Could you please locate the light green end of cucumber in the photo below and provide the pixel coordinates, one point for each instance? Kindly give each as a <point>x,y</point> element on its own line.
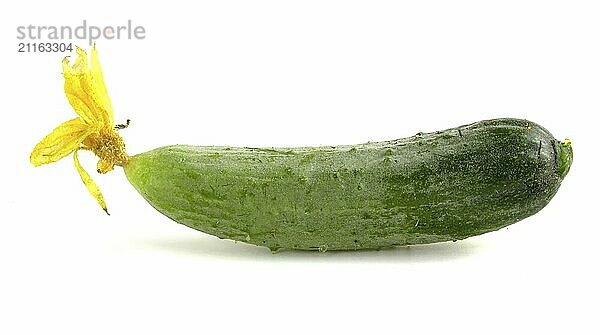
<point>564,157</point>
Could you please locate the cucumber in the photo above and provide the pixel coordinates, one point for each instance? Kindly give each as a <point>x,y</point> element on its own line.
<point>435,187</point>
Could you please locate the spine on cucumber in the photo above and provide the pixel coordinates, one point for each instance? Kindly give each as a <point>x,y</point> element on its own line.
<point>447,185</point>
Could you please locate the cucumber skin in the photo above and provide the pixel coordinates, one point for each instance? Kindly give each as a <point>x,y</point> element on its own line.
<point>447,185</point>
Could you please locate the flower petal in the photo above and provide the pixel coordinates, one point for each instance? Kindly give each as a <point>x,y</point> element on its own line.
<point>89,183</point>
<point>85,91</point>
<point>74,91</point>
<point>98,81</point>
<point>63,140</point>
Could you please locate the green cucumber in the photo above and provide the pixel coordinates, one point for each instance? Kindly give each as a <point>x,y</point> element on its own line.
<point>442,186</point>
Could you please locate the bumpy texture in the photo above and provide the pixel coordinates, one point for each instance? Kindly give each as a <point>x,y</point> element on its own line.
<point>428,188</point>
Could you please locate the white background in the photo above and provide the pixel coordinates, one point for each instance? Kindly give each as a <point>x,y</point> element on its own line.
<point>296,73</point>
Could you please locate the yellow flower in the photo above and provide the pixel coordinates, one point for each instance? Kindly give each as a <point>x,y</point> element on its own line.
<point>92,130</point>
